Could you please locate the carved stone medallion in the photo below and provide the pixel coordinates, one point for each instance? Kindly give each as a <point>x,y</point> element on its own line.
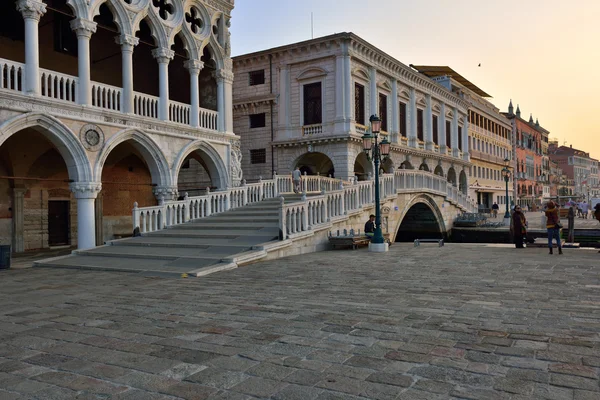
<point>91,137</point>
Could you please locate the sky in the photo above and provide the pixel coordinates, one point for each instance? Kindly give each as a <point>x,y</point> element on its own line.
<point>542,54</point>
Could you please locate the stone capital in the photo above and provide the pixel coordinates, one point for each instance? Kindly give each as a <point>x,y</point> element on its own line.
<point>83,27</point>
<point>162,55</point>
<point>127,42</point>
<point>165,193</point>
<point>224,75</point>
<point>31,9</point>
<point>194,66</point>
<point>85,190</point>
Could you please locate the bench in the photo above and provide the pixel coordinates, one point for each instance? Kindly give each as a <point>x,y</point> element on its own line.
<point>347,241</point>
<point>440,242</point>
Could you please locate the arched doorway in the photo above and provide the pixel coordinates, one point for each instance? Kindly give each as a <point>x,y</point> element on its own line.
<point>363,168</point>
<point>452,176</point>
<point>463,185</point>
<point>419,222</point>
<point>198,167</point>
<point>406,165</point>
<point>439,170</point>
<point>315,164</point>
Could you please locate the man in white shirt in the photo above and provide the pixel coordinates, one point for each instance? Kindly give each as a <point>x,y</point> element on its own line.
<point>296,178</point>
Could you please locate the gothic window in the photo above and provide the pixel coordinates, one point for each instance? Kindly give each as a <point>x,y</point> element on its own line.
<point>258,156</point>
<point>258,120</point>
<point>383,112</point>
<point>420,124</point>
<point>313,104</point>
<point>434,127</point>
<point>193,18</point>
<point>256,77</point>
<point>359,103</point>
<point>402,119</point>
<point>164,8</point>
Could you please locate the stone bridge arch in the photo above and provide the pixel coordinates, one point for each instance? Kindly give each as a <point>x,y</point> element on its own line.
<point>421,218</point>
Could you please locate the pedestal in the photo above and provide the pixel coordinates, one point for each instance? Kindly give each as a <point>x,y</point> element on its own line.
<point>378,247</point>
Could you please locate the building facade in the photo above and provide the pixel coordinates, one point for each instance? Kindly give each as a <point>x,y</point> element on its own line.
<point>531,172</point>
<point>308,104</point>
<point>578,166</point>
<point>104,103</point>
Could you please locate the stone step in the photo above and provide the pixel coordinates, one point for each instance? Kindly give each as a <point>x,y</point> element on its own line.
<point>199,224</point>
<point>162,252</point>
<point>266,212</point>
<point>189,242</point>
<point>239,218</point>
<point>225,234</point>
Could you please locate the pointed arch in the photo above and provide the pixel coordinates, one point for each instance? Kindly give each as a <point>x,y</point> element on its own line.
<point>119,12</point>
<point>215,52</point>
<point>65,141</point>
<point>156,28</point>
<point>190,44</point>
<point>150,151</point>
<point>216,167</point>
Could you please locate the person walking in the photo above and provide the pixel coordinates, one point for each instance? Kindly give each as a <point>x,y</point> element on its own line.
<point>296,179</point>
<point>495,208</point>
<point>585,209</point>
<point>519,227</point>
<point>553,226</point>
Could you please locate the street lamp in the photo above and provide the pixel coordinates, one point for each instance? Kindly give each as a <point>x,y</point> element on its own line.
<point>379,152</point>
<point>506,175</point>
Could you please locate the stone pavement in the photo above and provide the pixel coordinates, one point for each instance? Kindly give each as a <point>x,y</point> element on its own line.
<point>460,321</point>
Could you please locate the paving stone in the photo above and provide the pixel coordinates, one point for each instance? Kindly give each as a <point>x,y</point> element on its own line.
<point>296,392</point>
<point>574,382</point>
<point>259,387</point>
<point>427,385</point>
<point>514,385</point>
<point>390,379</point>
<point>465,392</point>
<point>218,378</point>
<point>304,377</point>
<point>271,371</point>
<point>571,369</point>
<point>548,392</point>
<point>585,395</point>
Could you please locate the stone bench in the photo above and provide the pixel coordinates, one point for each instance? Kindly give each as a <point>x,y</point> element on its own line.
<point>440,242</point>
<point>349,241</point>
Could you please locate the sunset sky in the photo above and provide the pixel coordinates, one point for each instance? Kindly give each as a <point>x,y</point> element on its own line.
<point>542,54</point>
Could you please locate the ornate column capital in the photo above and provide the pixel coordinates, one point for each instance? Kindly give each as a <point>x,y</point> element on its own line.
<point>194,66</point>
<point>165,193</point>
<point>85,190</point>
<point>162,55</point>
<point>127,42</point>
<point>31,9</point>
<point>83,27</point>
<point>224,75</point>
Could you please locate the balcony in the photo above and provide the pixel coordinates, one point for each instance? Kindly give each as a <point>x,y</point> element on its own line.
<point>478,155</point>
<point>62,88</point>
<point>311,130</point>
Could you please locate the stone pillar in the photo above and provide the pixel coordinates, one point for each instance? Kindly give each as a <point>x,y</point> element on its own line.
<point>163,57</point>
<point>374,95</point>
<point>348,90</point>
<point>194,67</point>
<point>455,132</point>
<point>18,213</point>
<point>340,89</point>
<point>465,140</point>
<point>395,133</point>
<point>84,29</point>
<point>85,193</point>
<point>412,121</point>
<point>225,100</point>
<point>127,43</point>
<point>284,96</point>
<point>32,12</point>
<point>442,129</point>
<point>165,193</point>
<point>429,145</point>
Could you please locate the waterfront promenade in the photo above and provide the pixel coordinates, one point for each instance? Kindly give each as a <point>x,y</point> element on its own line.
<point>460,321</point>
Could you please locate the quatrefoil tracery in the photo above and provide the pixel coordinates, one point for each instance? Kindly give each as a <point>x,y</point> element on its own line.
<point>164,8</point>
<point>193,18</point>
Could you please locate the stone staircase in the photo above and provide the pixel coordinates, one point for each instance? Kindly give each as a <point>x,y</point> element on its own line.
<point>198,247</point>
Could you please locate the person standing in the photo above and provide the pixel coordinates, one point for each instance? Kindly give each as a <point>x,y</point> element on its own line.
<point>296,179</point>
<point>571,226</point>
<point>495,209</point>
<point>584,209</point>
<point>519,227</point>
<point>553,226</point>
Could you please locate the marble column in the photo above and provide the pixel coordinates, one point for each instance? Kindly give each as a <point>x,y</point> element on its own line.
<point>429,145</point>
<point>412,122</point>
<point>84,29</point>
<point>86,193</point>
<point>18,213</point>
<point>374,94</point>
<point>32,12</point>
<point>395,132</point>
<point>163,57</point>
<point>194,67</point>
<point>454,138</point>
<point>340,89</point>
<point>225,100</point>
<point>127,43</point>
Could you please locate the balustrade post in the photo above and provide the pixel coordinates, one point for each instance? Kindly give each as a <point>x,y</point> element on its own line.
<point>136,216</point>
<point>282,220</point>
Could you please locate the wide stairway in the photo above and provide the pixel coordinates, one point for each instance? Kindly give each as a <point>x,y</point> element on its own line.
<point>196,248</point>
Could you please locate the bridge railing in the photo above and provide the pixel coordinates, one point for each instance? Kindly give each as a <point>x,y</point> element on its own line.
<point>338,199</point>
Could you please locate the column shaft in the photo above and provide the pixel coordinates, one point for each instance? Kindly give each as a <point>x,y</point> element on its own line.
<point>374,95</point>
<point>163,57</point>
<point>340,95</point>
<point>32,11</point>
<point>194,67</point>
<point>127,43</point>
<point>18,219</point>
<point>429,145</point>
<point>84,30</point>
<point>85,193</point>
<point>412,126</point>
<point>455,132</point>
<point>395,113</point>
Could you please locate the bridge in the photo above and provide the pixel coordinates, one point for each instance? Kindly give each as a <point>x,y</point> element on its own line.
<point>266,220</point>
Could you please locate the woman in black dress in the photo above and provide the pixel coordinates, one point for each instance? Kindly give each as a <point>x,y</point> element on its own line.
<point>519,227</point>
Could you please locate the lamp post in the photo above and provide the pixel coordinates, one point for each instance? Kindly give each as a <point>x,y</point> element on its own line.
<point>379,152</point>
<point>506,175</point>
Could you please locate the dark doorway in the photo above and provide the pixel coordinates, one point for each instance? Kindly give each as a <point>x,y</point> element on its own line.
<point>58,222</point>
<point>419,223</point>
